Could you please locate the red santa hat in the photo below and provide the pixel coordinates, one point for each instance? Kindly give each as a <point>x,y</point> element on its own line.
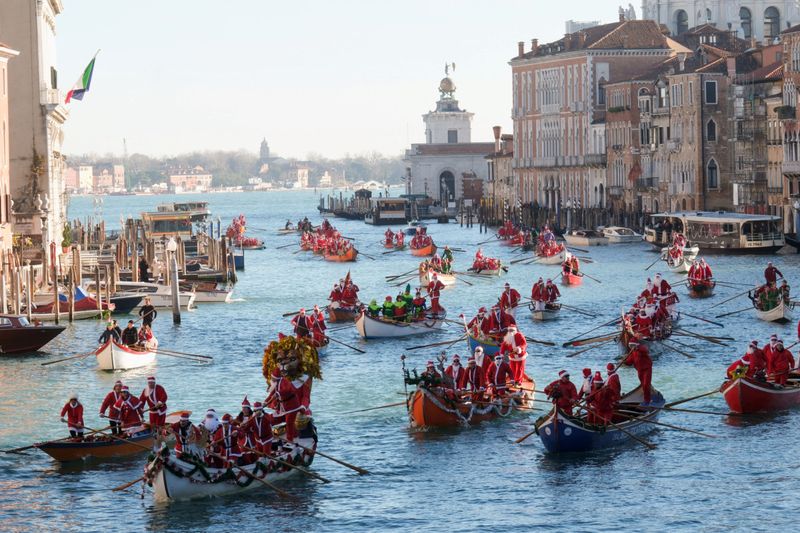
<point>754,343</point>
<point>257,406</point>
<point>562,373</point>
<point>245,402</point>
<point>388,299</point>
<point>226,418</point>
<point>598,378</point>
<point>611,368</point>
<point>151,378</point>
<point>118,382</point>
<point>185,415</point>
<point>456,358</point>
<point>471,361</point>
<point>479,349</point>
<point>430,365</point>
<point>482,310</point>
<point>507,284</point>
<point>302,310</point>
<point>745,360</point>
<point>125,388</point>
<point>587,372</point>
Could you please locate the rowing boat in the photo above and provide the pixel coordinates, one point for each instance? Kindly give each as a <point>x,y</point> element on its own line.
<point>371,328</point>
<point>680,267</point>
<point>561,432</point>
<point>555,259</point>
<point>690,253</point>
<point>176,479</point>
<point>349,255</point>
<point>781,313</point>
<point>701,288</point>
<point>550,312</point>
<point>747,395</point>
<point>115,356</point>
<point>425,251</point>
<point>446,279</point>
<point>490,347</point>
<point>339,313</point>
<point>488,272</point>
<point>568,278</point>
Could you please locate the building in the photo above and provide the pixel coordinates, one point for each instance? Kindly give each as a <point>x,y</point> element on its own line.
<point>109,178</point>
<point>85,178</point>
<point>502,183</point>
<point>296,176</point>
<point>36,117</point>
<point>6,230</point>
<point>759,19</point>
<point>71,180</point>
<point>194,179</point>
<point>439,167</point>
<point>790,125</point>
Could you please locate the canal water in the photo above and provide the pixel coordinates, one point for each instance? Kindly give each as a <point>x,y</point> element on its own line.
<point>466,479</point>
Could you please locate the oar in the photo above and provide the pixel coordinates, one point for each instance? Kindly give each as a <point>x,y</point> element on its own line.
<point>70,358</point>
<point>465,281</point>
<point>579,311</point>
<point>515,261</point>
<point>710,338</point>
<point>115,437</point>
<point>283,493</point>
<point>544,343</point>
<point>359,350</point>
<point>664,424</point>
<point>170,354</point>
<point>403,282</point>
<point>286,463</point>
<point>496,238</point>
<point>703,319</point>
<point>734,312</point>
<point>365,255</point>
<point>590,340</point>
<point>653,263</point>
<point>334,459</point>
<point>729,299</point>
<point>374,408</point>
<point>286,245</point>
<point>573,354</point>
<point>579,249</point>
<point>298,251</point>
<point>17,450</point>
<point>291,313</point>
<point>410,348</point>
<point>670,347</point>
<point>709,393</point>
<point>126,485</point>
<point>392,251</point>
<point>184,353</point>
<point>595,328</point>
<point>590,277</point>
<point>404,274</point>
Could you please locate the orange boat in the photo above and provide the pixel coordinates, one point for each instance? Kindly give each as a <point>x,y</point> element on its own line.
<point>425,251</point>
<point>568,278</point>
<point>349,255</point>
<point>430,407</point>
<point>343,314</point>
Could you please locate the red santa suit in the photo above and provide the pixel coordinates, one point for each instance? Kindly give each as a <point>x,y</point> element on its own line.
<point>109,402</point>
<point>601,405</point>
<point>640,359</point>
<point>74,413</point>
<point>613,383</point>
<point>457,373</point>
<point>318,327</point>
<point>302,325</point>
<point>478,326</point>
<point>226,443</point>
<point>516,347</point>
<point>484,362</point>
<point>538,291</point>
<point>552,292</point>
<point>184,436</point>
<point>474,378</point>
<point>509,299</point>
<point>779,365</point>
<point>260,428</point>
<point>336,294</point>
<point>389,236</point>
<point>499,374</point>
<point>288,398</point>
<point>129,411</point>
<point>154,395</point>
<point>564,393</point>
<point>644,326</point>
<point>434,288</point>
<point>350,294</point>
<point>661,287</point>
<point>499,320</point>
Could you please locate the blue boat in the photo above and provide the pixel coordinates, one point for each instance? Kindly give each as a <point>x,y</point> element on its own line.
<point>561,433</point>
<point>489,348</point>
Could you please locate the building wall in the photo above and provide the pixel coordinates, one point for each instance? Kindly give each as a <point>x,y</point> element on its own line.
<point>86,178</point>
<point>426,171</point>
<point>438,124</point>
<point>6,232</point>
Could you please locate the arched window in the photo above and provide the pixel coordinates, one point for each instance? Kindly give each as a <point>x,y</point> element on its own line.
<point>772,22</point>
<point>681,21</point>
<point>711,130</point>
<point>712,175</point>
<point>747,22</point>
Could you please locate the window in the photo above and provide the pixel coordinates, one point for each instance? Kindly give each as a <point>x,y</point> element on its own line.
<point>601,92</point>
<point>53,78</point>
<point>452,136</point>
<point>711,131</point>
<point>691,92</point>
<point>747,22</point>
<point>772,22</point>
<point>712,176</point>
<point>681,21</point>
<point>711,92</point>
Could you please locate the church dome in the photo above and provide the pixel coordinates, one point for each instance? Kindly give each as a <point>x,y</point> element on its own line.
<point>447,85</point>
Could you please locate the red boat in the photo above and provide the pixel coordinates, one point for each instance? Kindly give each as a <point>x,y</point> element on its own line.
<point>17,335</point>
<point>701,288</point>
<point>349,255</point>
<point>567,278</point>
<point>746,395</point>
<point>425,251</point>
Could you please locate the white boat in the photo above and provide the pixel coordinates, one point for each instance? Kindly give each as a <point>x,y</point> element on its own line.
<point>689,253</point>
<point>550,312</point>
<point>781,313</point>
<point>681,267</point>
<point>77,315</point>
<point>719,231</point>
<point>115,356</point>
<point>487,272</point>
<point>620,235</point>
<point>555,259</point>
<point>174,479</point>
<point>446,279</point>
<point>374,328</point>
<point>210,294</point>
<point>160,295</point>
<point>585,238</point>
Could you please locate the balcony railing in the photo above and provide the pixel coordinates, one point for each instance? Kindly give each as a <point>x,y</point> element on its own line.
<point>615,190</point>
<point>644,184</point>
<point>595,160</point>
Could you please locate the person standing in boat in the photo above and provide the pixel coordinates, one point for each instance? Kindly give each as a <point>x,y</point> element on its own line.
<point>456,373</point>
<point>108,334</point>
<point>499,375</point>
<point>474,377</point>
<point>510,298</point>
<point>187,436</point>
<point>639,358</point>
<point>434,289</point>
<point>538,295</point>
<point>600,404</point>
<point>563,392</point>
<point>130,409</point>
<point>147,312</point>
<point>780,364</point>
<point>613,383</point>
<point>109,403</point>
<point>318,326</point>
<point>260,428</point>
<point>130,335</point>
<point>302,325</point>
<point>785,292</point>
<point>225,443</point>
<point>155,397</point>
<point>515,346</point>
<point>552,292</point>
<point>771,274</point>
<point>586,386</point>
<point>73,410</point>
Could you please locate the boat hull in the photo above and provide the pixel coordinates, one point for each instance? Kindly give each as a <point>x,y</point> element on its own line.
<point>371,328</point>
<point>425,251</point>
<point>680,268</point>
<point>113,356</point>
<point>555,259</point>
<point>489,348</point>
<point>125,304</point>
<point>579,240</point>
<point>28,338</point>
<point>745,395</point>
<point>548,313</point>
<point>342,314</point>
<point>701,289</point>
<point>66,451</point>
<point>782,313</point>
<point>571,279</point>
<point>446,279</point>
<point>348,256</point>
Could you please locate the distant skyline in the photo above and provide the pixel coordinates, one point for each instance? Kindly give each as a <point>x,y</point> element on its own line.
<point>309,76</point>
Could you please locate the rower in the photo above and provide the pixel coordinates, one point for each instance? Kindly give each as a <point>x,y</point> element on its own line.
<point>108,334</point>
<point>244,415</point>
<point>388,308</point>
<point>474,376</point>
<point>785,292</point>
<point>147,339</point>
<point>562,392</point>
<point>73,410</point>
<point>109,403</point>
<point>510,298</point>
<point>499,375</point>
<point>538,295</point>
<point>147,312</point>
<point>552,292</point>
<point>430,377</point>
<point>389,236</point>
<point>318,326</point>
<point>400,308</point>
<point>419,304</point>
<point>187,436</point>
<point>516,347</point>
<point>612,382</point>
<point>456,372</point>
<point>373,309</point>
<point>586,386</point>
<point>226,444</point>
<point>130,410</point>
<point>600,405</point>
<point>210,422</point>
<point>771,273</point>
<point>758,361</point>
<point>644,325</point>
<point>130,335</point>
<point>336,294</point>
<point>302,325</point>
<point>155,396</point>
<point>639,358</point>
<point>260,428</point>
<point>434,288</point>
<point>482,361</point>
<point>780,365</point>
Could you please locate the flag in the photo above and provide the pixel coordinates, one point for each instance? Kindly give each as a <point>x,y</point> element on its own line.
<point>83,83</point>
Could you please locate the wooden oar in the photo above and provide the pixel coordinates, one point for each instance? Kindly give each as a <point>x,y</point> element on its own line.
<point>623,430</point>
<point>590,340</point>
<point>515,261</point>
<point>411,348</point>
<point>359,350</point>
<point>590,277</point>
<point>734,312</point>
<point>590,348</point>
<point>406,280</point>
<point>465,281</point>
<point>392,251</point>
<point>710,338</point>
<point>334,459</point>
<point>729,299</point>
<point>703,319</point>
<point>283,493</point>
<point>544,343</point>
<point>664,424</point>
<point>695,411</point>
<point>579,311</point>
<point>286,463</point>
<point>653,263</point>
<point>595,328</point>
<point>79,356</point>
<point>670,347</point>
<point>286,245</point>
<point>184,353</point>
<point>709,393</point>
<point>496,238</point>
<point>169,354</point>
<point>365,255</point>
<point>404,274</point>
<point>525,437</point>
<point>292,313</point>
<point>17,450</point>
<point>579,249</point>
<point>374,408</point>
<point>130,483</point>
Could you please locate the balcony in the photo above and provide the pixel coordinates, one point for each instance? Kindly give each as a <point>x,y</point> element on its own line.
<point>615,190</point>
<point>660,110</point>
<point>647,184</point>
<point>595,160</point>
<point>51,97</point>
<point>785,112</point>
<point>791,168</point>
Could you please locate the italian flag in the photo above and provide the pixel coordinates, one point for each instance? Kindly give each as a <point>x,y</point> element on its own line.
<point>83,83</point>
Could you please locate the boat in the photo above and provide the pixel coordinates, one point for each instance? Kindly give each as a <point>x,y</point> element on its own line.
<point>430,408</point>
<point>411,229</point>
<point>681,267</point>
<point>563,433</point>
<point>259,245</point>
<point>487,271</point>
<point>81,302</point>
<point>781,313</point>
<point>690,253</point>
<point>701,288</point>
<point>371,328</point>
<point>115,356</point>
<point>425,251</point>
<point>555,259</point>
<point>208,292</point>
<point>446,279</point>
<point>349,255</point>
<point>17,335</point>
<point>339,313</point>
<point>321,348</point>
<point>490,347</point>
<point>179,479</point>
<point>550,312</point>
<point>748,395</point>
<point>125,303</point>
<point>621,235</point>
<point>586,238</point>
<point>568,278</point>
<point>77,315</point>
<point>160,295</point>
<point>720,231</point>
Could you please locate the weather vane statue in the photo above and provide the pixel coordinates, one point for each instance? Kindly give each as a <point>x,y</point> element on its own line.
<point>447,67</point>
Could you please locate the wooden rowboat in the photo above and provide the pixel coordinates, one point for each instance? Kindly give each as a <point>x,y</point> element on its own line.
<point>562,433</point>
<point>747,395</point>
<point>446,279</point>
<point>349,255</point>
<point>781,313</point>
<point>372,328</point>
<point>430,407</point>
<point>490,348</point>
<point>488,272</point>
<point>567,278</point>
<point>115,356</point>
<point>425,251</point>
<point>689,252</point>
<point>338,313</point>
<point>321,348</point>
<point>701,288</point>
<point>550,312</point>
<point>555,259</point>
<point>679,268</point>
<point>178,479</point>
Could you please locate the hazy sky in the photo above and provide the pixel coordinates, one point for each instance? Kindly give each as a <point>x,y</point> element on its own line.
<point>333,77</point>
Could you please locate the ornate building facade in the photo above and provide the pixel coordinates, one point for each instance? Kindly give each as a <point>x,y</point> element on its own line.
<point>6,53</point>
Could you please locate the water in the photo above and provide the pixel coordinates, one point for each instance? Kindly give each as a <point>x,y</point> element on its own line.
<point>462,479</point>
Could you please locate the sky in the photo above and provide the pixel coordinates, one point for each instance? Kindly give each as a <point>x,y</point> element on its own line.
<point>311,76</point>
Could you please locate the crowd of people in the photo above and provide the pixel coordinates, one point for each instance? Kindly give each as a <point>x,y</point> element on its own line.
<point>394,240</point>
<point>651,315</point>
<point>771,363</point>
<point>440,264</point>
<point>406,307</point>
<point>481,262</point>
<point>421,239</point>
<point>546,244</point>
<point>310,326</point>
<point>142,338</point>
<point>344,294</point>
<point>769,295</point>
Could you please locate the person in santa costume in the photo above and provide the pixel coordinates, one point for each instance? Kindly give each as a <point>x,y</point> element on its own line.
<point>499,375</point>
<point>456,373</point>
<point>538,295</point>
<point>187,437</point>
<point>780,364</point>
<point>613,383</point>
<point>260,428</point>
<point>155,398</point>
<point>661,287</point>
<point>499,321</point>
<point>225,444</point>
<point>600,404</point>
<point>388,236</point>
<point>336,294</point>
<point>434,288</point>
<point>245,414</point>
<point>318,326</point>
<point>515,346</point>
<point>509,299</point>
<point>291,366</point>
<point>130,410</point>
<point>474,377</point>
<point>562,392</point>
<point>551,292</point>
<point>73,410</point>
<point>639,358</point>
<point>586,386</point>
<point>109,402</point>
<point>302,324</point>
<point>482,361</point>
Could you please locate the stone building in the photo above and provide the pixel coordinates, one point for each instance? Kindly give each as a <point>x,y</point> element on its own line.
<point>194,179</point>
<point>790,124</point>
<point>502,184</point>
<point>37,116</point>
<point>6,230</point>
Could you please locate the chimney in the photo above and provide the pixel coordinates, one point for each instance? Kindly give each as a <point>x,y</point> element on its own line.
<point>567,41</point>
<point>520,48</point>
<point>731,67</point>
<point>581,39</point>
<point>681,62</point>
<point>496,130</point>
<point>534,46</point>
